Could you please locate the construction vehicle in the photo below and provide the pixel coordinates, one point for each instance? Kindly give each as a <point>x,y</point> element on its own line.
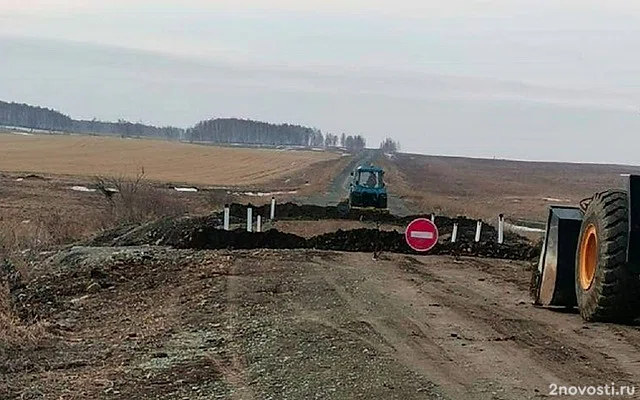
<point>591,256</point>
<point>367,189</point>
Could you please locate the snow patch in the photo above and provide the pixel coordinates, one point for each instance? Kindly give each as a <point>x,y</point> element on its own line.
<point>523,228</point>
<point>263,194</point>
<point>82,189</point>
<point>553,199</point>
<point>20,130</point>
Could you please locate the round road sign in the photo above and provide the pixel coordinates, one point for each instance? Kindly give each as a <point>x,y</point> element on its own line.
<point>421,234</point>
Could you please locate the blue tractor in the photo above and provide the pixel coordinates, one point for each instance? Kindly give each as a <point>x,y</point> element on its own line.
<point>367,189</point>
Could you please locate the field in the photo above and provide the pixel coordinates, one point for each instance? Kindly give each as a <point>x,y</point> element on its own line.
<point>485,188</point>
<point>48,184</point>
<point>162,161</point>
<point>137,294</point>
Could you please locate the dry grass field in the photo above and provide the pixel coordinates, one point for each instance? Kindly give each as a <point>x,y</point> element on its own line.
<point>483,188</point>
<point>162,161</point>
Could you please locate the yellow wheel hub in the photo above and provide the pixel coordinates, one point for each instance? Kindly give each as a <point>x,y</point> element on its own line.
<point>588,257</point>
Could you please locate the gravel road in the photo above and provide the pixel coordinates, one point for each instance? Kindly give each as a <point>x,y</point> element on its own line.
<point>156,323</point>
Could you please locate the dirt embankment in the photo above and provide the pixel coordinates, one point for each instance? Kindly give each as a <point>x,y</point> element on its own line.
<point>305,212</point>
<point>207,233</point>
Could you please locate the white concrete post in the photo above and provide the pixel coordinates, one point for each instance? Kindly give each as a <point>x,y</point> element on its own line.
<point>478,231</point>
<point>454,234</point>
<point>226,217</point>
<point>259,223</point>
<point>272,215</point>
<point>249,219</point>
<point>501,228</point>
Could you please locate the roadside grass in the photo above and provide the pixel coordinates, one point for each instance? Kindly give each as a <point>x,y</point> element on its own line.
<point>14,333</point>
<point>134,201</point>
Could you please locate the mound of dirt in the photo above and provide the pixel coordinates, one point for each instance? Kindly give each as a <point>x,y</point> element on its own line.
<point>306,212</point>
<point>213,239</point>
<point>205,233</point>
<point>64,279</point>
<point>166,231</point>
<point>195,233</point>
<point>372,240</point>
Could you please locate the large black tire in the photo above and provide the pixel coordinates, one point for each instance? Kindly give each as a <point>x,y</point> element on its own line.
<point>343,208</point>
<point>607,289</point>
<point>382,202</point>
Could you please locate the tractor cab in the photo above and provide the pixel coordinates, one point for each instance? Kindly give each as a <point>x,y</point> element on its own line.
<point>368,189</point>
<point>372,178</point>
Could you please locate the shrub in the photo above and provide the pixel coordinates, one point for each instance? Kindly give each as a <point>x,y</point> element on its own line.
<point>134,201</point>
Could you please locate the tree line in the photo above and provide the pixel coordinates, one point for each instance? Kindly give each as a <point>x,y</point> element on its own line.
<point>32,117</point>
<point>217,130</point>
<point>234,130</point>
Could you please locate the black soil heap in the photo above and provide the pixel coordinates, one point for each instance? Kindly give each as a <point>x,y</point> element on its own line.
<point>206,233</point>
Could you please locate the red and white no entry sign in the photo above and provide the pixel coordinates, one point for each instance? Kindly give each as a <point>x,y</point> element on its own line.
<point>421,234</point>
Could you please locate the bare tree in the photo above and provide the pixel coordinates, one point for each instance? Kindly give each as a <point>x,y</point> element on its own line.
<point>390,146</point>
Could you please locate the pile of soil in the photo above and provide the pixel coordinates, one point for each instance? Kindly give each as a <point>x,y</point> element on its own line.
<point>205,233</point>
<point>373,240</point>
<point>306,212</point>
<point>165,231</point>
<point>77,272</point>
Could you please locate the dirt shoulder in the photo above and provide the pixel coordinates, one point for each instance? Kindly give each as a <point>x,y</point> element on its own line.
<point>300,324</point>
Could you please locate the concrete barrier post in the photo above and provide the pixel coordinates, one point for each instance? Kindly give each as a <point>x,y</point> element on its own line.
<point>272,214</point>
<point>249,219</point>
<point>501,228</point>
<point>226,217</point>
<point>454,234</point>
<point>478,231</point>
<point>259,223</point>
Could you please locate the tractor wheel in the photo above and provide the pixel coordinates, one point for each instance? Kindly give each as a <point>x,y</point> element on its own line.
<point>343,208</point>
<point>607,289</point>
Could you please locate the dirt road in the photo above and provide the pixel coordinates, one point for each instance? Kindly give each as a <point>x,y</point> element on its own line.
<point>338,189</point>
<point>266,324</point>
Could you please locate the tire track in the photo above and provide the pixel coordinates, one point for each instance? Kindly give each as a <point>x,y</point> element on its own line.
<point>561,343</point>
<point>471,333</point>
<point>235,371</point>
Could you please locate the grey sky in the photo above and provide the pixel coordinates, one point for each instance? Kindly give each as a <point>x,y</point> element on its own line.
<point>542,80</point>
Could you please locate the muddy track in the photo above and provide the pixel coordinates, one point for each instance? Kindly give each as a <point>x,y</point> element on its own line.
<point>338,189</point>
<point>476,334</point>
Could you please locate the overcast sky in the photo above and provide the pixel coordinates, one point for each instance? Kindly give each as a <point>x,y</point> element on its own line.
<point>537,79</point>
